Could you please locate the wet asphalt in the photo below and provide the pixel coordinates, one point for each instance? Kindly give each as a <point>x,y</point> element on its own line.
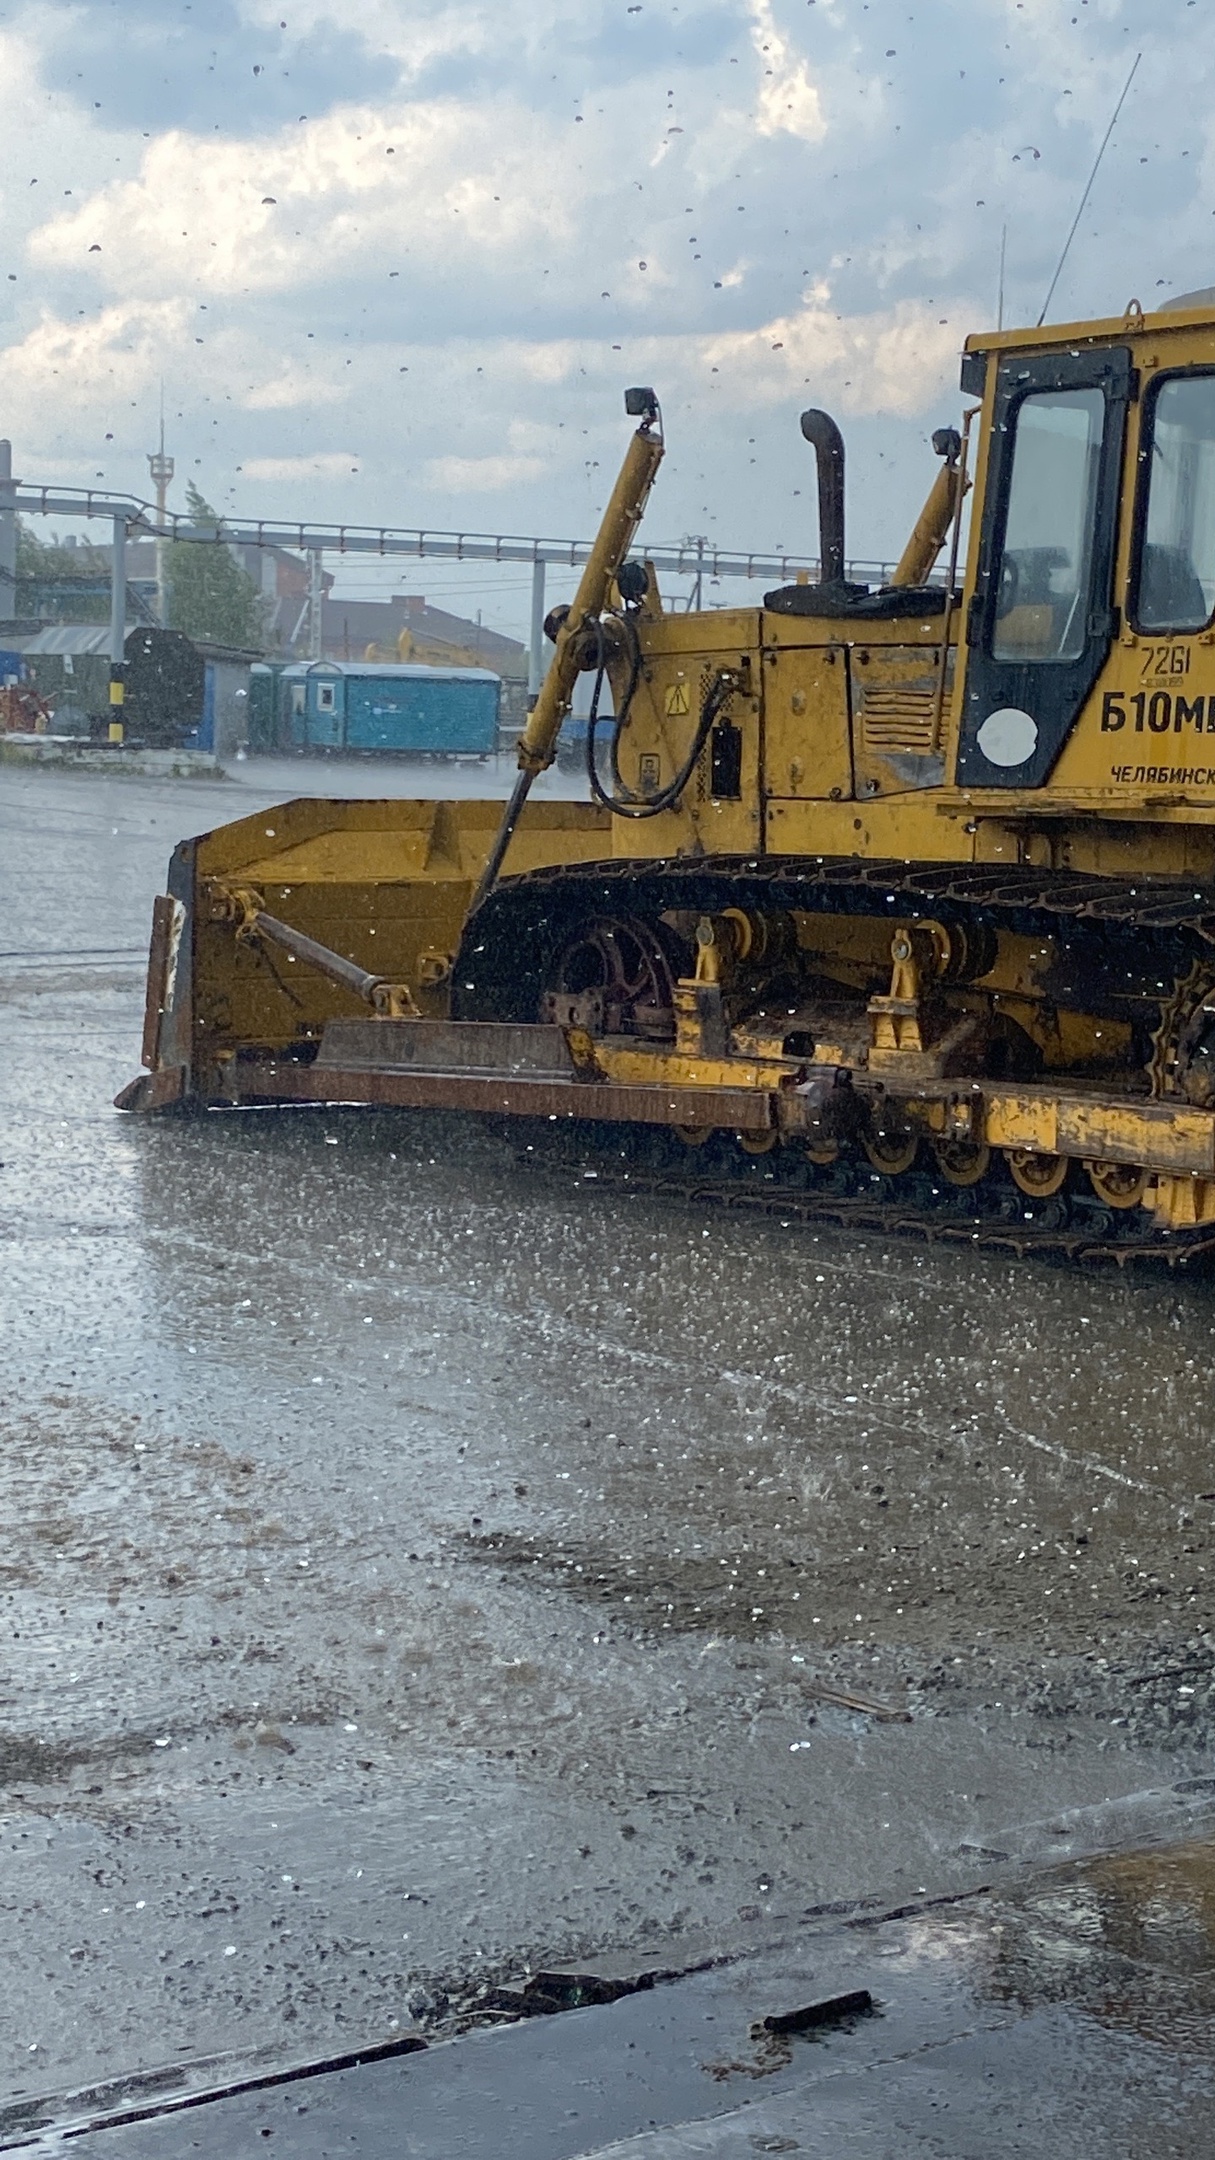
<point>1071,2013</point>
<point>420,1565</point>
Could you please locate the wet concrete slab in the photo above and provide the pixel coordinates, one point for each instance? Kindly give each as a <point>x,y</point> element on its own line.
<point>422,1566</point>
<point>1071,2012</point>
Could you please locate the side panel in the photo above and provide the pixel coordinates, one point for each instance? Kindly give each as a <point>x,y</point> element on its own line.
<point>1149,726</point>
<point>808,752</point>
<point>902,828</point>
<point>719,810</point>
<point>456,718</point>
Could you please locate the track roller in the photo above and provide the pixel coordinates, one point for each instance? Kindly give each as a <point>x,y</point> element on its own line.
<point>822,1153</point>
<point>962,1162</point>
<point>1038,1176</point>
<point>1119,1185</point>
<point>892,1150</point>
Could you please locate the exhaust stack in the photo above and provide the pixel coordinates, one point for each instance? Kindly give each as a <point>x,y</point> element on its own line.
<point>824,437</point>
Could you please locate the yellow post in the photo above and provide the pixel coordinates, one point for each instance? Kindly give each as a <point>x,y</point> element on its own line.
<point>117,698</point>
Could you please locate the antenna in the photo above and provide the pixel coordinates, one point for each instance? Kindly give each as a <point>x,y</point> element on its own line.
<point>1088,187</point>
<point>1000,294</point>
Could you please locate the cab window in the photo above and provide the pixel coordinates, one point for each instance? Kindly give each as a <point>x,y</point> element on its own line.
<point>1045,564</point>
<point>1176,582</point>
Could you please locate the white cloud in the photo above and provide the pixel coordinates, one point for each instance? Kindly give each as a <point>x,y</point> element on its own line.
<point>412,34</point>
<point>480,475</point>
<point>426,183</point>
<point>287,388</point>
<point>92,361</point>
<point>320,465</point>
<point>893,361</point>
<point>789,101</point>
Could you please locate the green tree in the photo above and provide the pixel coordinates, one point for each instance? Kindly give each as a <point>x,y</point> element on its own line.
<point>210,596</point>
<point>50,577</point>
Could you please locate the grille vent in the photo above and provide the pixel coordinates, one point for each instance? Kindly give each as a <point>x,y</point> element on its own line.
<point>899,720</point>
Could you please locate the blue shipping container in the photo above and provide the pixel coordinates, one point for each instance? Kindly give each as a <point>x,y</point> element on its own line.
<point>407,711</point>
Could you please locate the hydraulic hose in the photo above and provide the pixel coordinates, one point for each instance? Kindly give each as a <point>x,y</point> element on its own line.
<point>625,802</point>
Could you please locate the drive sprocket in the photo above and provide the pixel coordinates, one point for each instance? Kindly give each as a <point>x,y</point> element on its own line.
<point>1182,1063</point>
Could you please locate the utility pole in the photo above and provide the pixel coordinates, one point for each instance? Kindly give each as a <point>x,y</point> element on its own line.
<point>161,469</point>
<point>316,601</point>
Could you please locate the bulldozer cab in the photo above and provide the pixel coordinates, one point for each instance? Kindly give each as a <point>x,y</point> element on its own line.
<point>1090,588</point>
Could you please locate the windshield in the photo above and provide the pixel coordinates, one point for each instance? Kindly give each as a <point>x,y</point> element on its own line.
<point>1177,567</point>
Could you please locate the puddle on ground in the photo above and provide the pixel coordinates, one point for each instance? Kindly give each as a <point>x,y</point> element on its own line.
<point>1128,1939</point>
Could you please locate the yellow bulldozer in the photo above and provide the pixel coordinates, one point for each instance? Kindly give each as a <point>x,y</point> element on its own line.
<point>412,650</point>
<point>894,905</point>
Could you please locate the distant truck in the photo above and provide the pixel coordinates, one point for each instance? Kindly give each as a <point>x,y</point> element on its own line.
<point>372,707</point>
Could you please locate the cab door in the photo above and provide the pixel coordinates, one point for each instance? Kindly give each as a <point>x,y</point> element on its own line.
<point>1042,618</point>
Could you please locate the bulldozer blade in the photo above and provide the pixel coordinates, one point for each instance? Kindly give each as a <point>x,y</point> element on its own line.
<point>380,888</point>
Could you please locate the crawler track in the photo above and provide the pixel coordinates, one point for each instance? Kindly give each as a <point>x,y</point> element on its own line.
<point>851,1195</point>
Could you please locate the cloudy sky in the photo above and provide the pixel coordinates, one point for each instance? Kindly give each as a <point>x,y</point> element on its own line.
<point>401,271</point>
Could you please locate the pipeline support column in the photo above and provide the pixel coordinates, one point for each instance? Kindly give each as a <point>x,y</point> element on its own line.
<point>535,651</point>
<point>118,627</point>
<point>316,602</point>
<point>8,534</point>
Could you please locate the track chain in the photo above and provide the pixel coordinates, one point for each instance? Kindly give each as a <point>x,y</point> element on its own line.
<point>1073,1229</point>
<point>836,883</point>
